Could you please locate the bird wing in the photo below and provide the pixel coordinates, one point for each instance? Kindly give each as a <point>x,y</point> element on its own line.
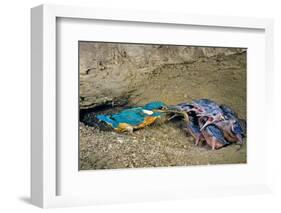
<point>217,133</point>
<point>194,128</point>
<point>228,111</point>
<point>207,105</point>
<point>133,116</point>
<point>107,119</point>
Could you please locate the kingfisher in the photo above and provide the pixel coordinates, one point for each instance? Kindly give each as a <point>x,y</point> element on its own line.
<point>210,109</point>
<point>131,119</point>
<point>228,111</point>
<point>239,125</point>
<point>217,124</point>
<point>230,125</point>
<point>232,130</point>
<point>200,108</point>
<point>212,134</point>
<point>193,129</point>
<point>214,137</point>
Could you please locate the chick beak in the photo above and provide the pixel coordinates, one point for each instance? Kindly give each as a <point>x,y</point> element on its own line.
<point>240,140</point>
<point>208,122</point>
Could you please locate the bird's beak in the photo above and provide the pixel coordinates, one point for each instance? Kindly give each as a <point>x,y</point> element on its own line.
<point>240,140</point>
<point>206,124</point>
<point>160,110</point>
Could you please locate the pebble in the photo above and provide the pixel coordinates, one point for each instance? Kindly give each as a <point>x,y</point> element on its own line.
<point>120,140</point>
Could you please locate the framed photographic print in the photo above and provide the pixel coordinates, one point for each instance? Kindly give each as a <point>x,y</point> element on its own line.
<point>130,106</point>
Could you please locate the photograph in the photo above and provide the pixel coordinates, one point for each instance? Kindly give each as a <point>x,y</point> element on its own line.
<point>147,105</point>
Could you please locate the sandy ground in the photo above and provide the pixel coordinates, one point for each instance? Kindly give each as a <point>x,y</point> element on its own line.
<point>221,78</point>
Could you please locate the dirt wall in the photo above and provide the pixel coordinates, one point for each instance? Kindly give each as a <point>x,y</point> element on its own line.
<point>111,73</point>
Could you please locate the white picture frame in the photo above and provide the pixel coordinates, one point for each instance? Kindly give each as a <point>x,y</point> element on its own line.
<point>44,149</point>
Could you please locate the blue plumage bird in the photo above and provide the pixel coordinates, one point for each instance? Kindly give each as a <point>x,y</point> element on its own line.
<point>214,137</point>
<point>133,118</point>
<point>217,124</point>
<point>231,130</point>
<point>238,125</point>
<point>206,104</point>
<point>212,134</point>
<point>193,128</point>
<point>203,109</point>
<point>210,109</point>
<point>228,111</point>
